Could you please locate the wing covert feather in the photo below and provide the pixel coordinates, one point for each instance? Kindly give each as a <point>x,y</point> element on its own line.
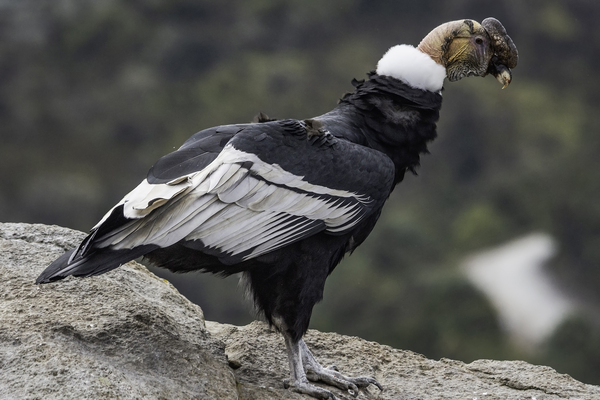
<point>255,196</point>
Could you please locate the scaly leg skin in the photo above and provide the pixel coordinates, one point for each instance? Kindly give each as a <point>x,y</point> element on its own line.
<point>298,354</point>
<point>331,376</point>
<point>298,381</point>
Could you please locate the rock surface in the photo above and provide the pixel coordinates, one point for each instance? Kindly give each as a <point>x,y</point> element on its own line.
<point>130,335</point>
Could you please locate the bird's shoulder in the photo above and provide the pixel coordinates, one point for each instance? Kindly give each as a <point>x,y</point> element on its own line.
<point>302,147</point>
<point>194,155</point>
<point>203,147</point>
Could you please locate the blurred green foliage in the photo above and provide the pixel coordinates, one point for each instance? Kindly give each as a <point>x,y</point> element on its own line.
<point>92,93</point>
<point>576,340</point>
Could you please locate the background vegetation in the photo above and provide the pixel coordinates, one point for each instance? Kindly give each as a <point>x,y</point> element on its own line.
<point>93,92</point>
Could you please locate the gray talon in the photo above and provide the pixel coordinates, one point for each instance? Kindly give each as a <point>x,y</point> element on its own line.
<point>311,390</point>
<point>305,369</point>
<point>353,390</point>
<point>363,382</point>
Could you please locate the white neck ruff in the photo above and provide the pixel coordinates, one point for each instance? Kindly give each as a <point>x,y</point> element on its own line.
<point>413,67</point>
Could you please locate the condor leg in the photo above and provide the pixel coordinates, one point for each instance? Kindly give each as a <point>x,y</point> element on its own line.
<point>331,376</point>
<point>298,381</point>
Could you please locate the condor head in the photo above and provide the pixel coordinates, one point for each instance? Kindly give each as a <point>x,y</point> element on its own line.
<point>468,48</point>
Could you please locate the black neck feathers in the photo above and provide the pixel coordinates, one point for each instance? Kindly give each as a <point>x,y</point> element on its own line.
<point>388,115</point>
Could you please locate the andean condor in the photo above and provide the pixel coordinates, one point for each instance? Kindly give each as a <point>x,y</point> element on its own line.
<point>282,201</point>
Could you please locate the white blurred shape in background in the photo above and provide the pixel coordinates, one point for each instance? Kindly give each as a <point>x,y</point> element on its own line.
<point>513,277</point>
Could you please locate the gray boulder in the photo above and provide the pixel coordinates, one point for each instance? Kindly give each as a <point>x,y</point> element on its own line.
<point>130,335</point>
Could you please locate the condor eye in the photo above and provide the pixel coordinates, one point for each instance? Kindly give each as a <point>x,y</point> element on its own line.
<point>479,40</point>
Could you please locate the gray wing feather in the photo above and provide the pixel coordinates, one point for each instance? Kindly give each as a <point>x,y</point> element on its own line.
<point>236,204</point>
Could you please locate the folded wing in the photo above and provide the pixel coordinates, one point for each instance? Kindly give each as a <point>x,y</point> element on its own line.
<point>269,186</point>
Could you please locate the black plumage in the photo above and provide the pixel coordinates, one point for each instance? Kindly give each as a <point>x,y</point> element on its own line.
<point>362,148</point>
<point>281,201</point>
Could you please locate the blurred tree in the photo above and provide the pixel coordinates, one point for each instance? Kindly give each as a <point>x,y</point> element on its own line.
<point>575,349</point>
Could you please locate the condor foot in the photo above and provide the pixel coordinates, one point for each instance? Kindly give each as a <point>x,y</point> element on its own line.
<point>305,368</point>
<point>311,390</point>
<point>331,376</point>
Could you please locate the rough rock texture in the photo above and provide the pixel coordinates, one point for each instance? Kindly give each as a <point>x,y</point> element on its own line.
<point>122,335</point>
<point>130,335</point>
<point>405,375</point>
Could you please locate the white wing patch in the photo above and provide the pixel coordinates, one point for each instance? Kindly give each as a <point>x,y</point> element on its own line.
<point>237,204</point>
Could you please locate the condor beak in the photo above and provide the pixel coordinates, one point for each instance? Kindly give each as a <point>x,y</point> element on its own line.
<point>504,77</point>
<point>505,56</point>
<point>501,72</point>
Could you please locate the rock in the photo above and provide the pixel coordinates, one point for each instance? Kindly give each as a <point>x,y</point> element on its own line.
<point>403,374</point>
<point>126,335</point>
<point>130,335</point>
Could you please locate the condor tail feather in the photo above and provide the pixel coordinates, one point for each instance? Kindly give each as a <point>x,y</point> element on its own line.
<point>95,263</point>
